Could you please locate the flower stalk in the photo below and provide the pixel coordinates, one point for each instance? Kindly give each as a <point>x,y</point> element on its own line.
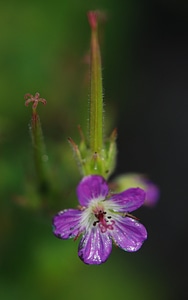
<point>103,217</point>
<point>96,94</point>
<point>98,155</point>
<point>40,157</point>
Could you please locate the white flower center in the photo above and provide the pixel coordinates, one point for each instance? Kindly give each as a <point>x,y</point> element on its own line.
<point>98,214</point>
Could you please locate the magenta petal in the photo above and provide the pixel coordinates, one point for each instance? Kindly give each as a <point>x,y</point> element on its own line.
<point>91,187</point>
<point>94,247</point>
<point>130,199</point>
<point>152,194</point>
<point>129,234</point>
<point>66,224</point>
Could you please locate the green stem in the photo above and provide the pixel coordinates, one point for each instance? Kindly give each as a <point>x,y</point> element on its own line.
<point>96,96</point>
<point>40,156</point>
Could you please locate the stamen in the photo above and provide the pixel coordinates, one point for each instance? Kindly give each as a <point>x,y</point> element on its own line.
<point>104,224</point>
<point>95,223</point>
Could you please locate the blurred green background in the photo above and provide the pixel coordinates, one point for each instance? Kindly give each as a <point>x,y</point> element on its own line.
<point>43,48</point>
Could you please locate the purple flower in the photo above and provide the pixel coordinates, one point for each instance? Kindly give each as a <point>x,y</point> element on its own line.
<point>152,192</point>
<point>102,218</point>
<point>125,181</point>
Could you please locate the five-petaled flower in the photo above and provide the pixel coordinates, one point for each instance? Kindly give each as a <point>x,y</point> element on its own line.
<point>102,217</point>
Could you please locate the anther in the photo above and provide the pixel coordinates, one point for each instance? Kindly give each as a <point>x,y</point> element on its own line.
<point>95,223</point>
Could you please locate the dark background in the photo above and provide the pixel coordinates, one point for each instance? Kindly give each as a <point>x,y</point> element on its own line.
<point>155,128</point>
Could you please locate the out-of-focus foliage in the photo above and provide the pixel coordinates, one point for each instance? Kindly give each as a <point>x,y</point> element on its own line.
<point>43,48</point>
